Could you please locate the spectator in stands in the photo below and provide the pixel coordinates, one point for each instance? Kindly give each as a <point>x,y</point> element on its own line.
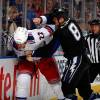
<point>77,8</point>
<point>30,14</point>
<point>13,19</point>
<point>49,6</point>
<point>88,14</point>
<point>38,9</point>
<point>12,2</point>
<point>19,5</point>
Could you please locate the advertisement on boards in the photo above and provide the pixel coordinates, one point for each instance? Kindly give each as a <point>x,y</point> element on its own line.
<point>38,86</point>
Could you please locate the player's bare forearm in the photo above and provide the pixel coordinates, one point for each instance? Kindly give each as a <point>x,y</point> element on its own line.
<point>37,21</point>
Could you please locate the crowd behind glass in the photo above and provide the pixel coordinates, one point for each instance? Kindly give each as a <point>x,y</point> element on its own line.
<point>21,13</point>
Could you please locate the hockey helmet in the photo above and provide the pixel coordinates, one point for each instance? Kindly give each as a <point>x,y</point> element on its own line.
<point>20,35</point>
<point>60,12</point>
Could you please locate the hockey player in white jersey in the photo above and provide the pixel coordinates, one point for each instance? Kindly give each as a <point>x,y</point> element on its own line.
<point>24,45</point>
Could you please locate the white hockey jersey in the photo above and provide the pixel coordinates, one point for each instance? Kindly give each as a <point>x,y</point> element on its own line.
<point>36,38</point>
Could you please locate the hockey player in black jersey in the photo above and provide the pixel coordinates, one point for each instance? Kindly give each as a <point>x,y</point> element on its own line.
<point>73,44</point>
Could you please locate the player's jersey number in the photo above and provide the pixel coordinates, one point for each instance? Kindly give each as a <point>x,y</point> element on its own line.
<point>41,35</point>
<point>74,30</point>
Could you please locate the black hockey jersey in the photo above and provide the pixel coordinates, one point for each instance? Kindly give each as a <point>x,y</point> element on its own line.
<point>70,35</point>
<point>71,38</point>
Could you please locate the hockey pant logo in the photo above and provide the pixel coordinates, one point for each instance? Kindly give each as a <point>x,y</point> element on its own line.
<point>71,69</point>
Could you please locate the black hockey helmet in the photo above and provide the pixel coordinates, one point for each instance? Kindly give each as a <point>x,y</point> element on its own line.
<point>60,12</point>
<point>94,22</point>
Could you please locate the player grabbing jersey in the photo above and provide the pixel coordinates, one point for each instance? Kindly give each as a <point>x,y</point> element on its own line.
<point>73,44</point>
